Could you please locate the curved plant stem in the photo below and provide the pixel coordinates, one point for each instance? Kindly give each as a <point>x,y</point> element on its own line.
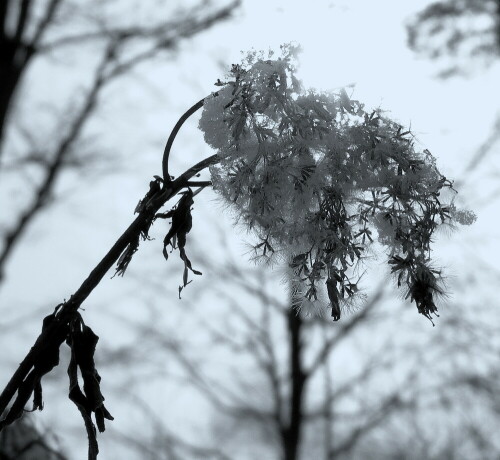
<point>70,307</point>
<point>171,138</point>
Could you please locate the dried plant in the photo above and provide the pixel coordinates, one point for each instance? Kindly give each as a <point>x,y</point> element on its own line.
<point>314,174</point>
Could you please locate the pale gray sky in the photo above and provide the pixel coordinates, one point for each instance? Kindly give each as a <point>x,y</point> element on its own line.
<point>344,42</point>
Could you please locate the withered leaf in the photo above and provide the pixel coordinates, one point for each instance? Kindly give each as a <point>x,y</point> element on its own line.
<point>83,341</point>
<point>46,361</point>
<point>182,223</point>
<point>333,295</point>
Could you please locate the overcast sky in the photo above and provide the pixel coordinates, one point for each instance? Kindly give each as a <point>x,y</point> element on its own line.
<point>358,43</point>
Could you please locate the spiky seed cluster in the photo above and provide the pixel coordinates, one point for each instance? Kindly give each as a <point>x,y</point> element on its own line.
<point>315,175</point>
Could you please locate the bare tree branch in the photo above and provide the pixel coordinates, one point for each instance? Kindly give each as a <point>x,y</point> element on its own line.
<point>55,164</point>
<point>449,27</point>
<point>164,33</point>
<point>481,153</point>
<point>386,408</point>
<point>47,19</point>
<point>24,11</point>
<point>166,443</point>
<point>109,68</point>
<point>344,332</point>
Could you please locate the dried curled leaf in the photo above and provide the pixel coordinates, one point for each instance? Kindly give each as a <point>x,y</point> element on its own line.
<point>333,295</point>
<point>154,188</point>
<point>182,222</point>
<point>46,361</point>
<point>133,246</point>
<point>82,341</point>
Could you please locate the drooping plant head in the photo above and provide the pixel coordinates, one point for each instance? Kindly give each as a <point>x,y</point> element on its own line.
<point>319,179</point>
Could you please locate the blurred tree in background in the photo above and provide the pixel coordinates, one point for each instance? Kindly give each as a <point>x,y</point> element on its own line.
<point>37,148</point>
<point>414,395</point>
<point>462,35</point>
<point>458,32</point>
<point>281,384</point>
<point>25,442</point>
<point>45,138</point>
<point>277,383</point>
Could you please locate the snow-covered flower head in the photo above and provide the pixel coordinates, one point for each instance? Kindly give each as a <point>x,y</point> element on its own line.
<point>316,177</point>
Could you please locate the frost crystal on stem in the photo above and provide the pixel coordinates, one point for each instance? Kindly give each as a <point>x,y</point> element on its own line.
<point>319,179</point>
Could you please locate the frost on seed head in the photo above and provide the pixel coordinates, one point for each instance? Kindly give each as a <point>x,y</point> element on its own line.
<point>319,179</point>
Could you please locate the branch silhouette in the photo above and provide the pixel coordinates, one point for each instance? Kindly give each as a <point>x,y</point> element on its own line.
<point>58,327</point>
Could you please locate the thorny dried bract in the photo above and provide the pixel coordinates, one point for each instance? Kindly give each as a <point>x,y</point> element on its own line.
<point>319,178</point>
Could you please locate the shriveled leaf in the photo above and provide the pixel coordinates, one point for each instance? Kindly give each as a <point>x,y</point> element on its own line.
<point>333,295</point>
<point>83,341</point>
